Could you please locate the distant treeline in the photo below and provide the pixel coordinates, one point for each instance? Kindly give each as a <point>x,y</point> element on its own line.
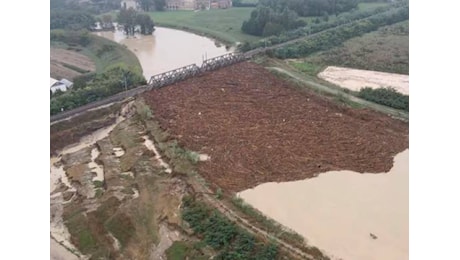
<point>94,7</point>
<point>71,20</point>
<point>338,35</point>
<point>314,28</point>
<point>272,17</point>
<point>311,7</point>
<point>240,3</point>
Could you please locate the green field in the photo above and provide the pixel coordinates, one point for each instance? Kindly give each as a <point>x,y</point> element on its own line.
<point>222,24</point>
<point>386,49</point>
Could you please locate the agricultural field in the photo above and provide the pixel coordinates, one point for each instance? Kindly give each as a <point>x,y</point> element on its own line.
<point>222,24</point>
<point>69,64</point>
<point>87,52</point>
<point>258,128</point>
<point>385,50</point>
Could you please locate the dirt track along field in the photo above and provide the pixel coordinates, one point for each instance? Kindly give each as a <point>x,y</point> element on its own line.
<point>258,128</point>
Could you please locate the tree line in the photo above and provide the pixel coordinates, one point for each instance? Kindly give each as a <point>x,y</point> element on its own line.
<point>265,21</point>
<point>272,17</point>
<point>311,7</point>
<point>92,87</point>
<point>317,27</point>
<point>385,96</point>
<point>93,7</point>
<point>336,36</point>
<point>130,19</point>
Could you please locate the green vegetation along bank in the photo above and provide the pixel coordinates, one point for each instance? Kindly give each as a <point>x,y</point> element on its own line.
<point>386,50</point>
<point>117,69</point>
<point>336,36</point>
<point>230,241</point>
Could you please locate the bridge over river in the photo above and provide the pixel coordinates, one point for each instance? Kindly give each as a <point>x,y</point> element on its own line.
<point>160,80</point>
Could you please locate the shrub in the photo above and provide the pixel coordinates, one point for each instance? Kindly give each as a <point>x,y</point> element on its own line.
<point>385,96</point>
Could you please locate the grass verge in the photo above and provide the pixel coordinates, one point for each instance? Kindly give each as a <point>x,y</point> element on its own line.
<point>221,24</point>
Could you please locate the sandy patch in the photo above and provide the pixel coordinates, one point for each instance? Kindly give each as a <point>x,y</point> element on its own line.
<point>350,216</point>
<point>95,167</point>
<point>167,237</point>
<point>59,252</point>
<point>118,151</point>
<point>355,79</point>
<point>149,144</point>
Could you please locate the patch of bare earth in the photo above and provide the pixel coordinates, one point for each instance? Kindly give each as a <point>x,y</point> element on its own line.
<point>60,59</point>
<point>258,128</point>
<point>355,79</point>
<point>120,216</point>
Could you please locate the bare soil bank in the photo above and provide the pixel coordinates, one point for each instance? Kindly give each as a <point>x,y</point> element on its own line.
<point>258,128</point>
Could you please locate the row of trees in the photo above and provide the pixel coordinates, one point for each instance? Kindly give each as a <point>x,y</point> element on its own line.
<point>93,87</point>
<point>272,17</point>
<point>71,20</point>
<point>129,18</point>
<point>78,20</point>
<point>315,28</point>
<point>264,21</point>
<point>148,5</point>
<point>94,7</point>
<point>228,239</point>
<point>385,96</point>
<point>311,7</point>
<point>336,36</point>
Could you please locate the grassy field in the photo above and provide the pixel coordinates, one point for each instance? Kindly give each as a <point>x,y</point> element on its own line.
<point>386,49</point>
<point>101,51</point>
<point>222,24</point>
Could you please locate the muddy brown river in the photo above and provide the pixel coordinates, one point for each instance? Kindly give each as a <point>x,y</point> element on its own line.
<point>348,215</point>
<point>167,49</point>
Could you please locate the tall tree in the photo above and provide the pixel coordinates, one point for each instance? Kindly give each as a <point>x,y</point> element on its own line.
<point>127,18</point>
<point>146,23</point>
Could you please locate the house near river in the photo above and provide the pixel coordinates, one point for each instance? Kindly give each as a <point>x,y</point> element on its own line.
<point>62,85</point>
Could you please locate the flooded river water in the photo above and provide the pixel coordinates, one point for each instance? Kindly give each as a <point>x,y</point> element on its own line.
<point>167,49</point>
<point>350,216</point>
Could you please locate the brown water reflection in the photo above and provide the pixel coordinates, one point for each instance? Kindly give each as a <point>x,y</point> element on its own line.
<point>339,210</point>
<point>167,49</point>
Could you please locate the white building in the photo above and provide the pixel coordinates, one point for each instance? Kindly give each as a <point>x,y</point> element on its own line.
<point>126,4</point>
<point>62,85</point>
